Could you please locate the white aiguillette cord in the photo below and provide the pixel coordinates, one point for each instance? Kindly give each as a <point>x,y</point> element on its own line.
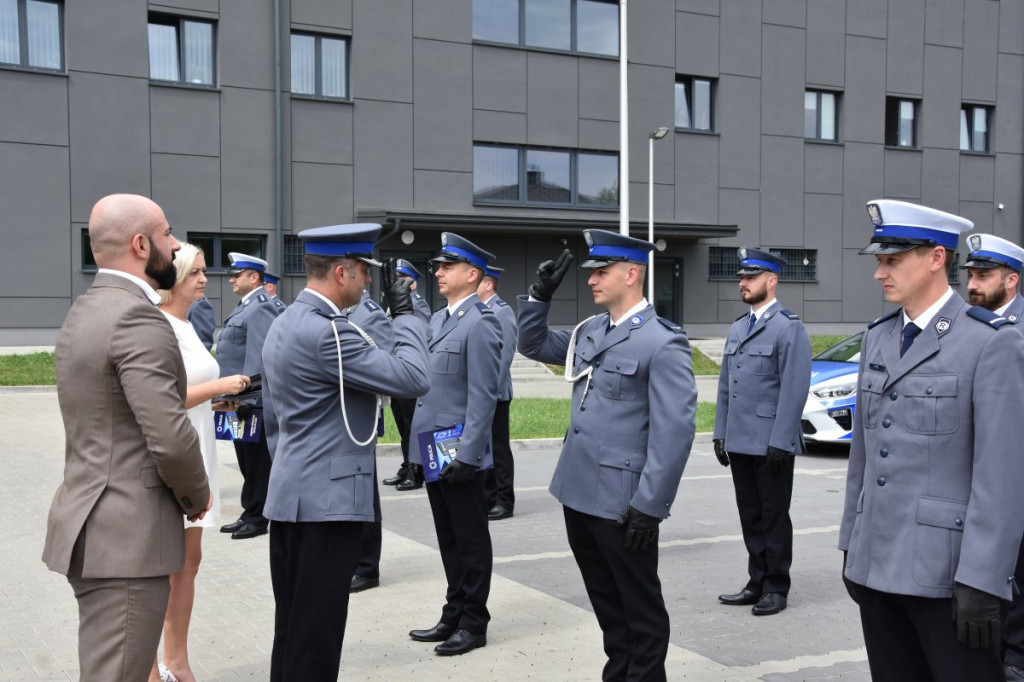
<point>570,361</point>
<point>341,382</point>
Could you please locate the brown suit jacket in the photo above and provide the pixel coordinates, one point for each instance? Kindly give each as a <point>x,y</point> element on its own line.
<point>132,460</point>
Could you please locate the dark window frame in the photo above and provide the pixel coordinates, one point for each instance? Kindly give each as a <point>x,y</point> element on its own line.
<point>573,33</point>
<point>836,98</point>
<point>712,104</point>
<point>318,66</point>
<point>522,172</point>
<point>294,256</point>
<point>723,262</point>
<point>178,22</point>
<point>214,260</point>
<point>953,274</point>
<point>23,39</point>
<point>969,108</point>
<point>893,104</point>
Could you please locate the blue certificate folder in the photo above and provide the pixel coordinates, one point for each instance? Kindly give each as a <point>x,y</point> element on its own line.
<point>228,426</point>
<point>438,449</point>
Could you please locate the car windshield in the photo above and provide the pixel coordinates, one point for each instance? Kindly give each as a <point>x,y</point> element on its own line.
<point>847,350</point>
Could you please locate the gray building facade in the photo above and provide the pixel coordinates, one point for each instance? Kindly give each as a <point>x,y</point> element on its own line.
<point>499,119</point>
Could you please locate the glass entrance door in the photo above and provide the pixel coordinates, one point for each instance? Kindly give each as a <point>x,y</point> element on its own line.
<point>667,301</point>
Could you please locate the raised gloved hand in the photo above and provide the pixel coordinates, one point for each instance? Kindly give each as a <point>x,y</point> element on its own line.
<point>977,617</point>
<point>397,290</point>
<point>720,453</point>
<point>549,276</point>
<point>458,472</point>
<point>778,460</point>
<point>852,588</point>
<point>641,529</point>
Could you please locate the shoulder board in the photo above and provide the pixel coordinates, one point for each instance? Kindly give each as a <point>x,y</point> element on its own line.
<point>370,305</point>
<point>280,304</point>
<point>483,308</point>
<point>671,326</point>
<point>789,313</point>
<point>329,316</point>
<point>501,303</point>
<point>987,316</point>
<point>262,298</point>
<point>742,316</point>
<point>887,316</point>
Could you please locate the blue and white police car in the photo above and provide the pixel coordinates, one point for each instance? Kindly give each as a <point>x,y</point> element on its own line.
<point>832,398</point>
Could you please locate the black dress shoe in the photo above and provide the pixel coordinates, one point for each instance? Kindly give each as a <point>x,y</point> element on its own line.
<point>248,530</point>
<point>232,527</point>
<point>462,641</point>
<point>413,478</point>
<point>769,604</point>
<point>498,512</point>
<point>744,597</point>
<point>362,582</point>
<point>438,633</point>
<point>399,477</point>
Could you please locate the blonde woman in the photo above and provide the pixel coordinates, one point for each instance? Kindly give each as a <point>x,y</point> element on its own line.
<point>203,384</point>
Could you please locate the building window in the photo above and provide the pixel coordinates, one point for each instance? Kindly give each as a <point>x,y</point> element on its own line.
<point>586,26</point>
<point>975,122</point>
<point>88,260</point>
<point>30,34</point>
<point>521,175</point>
<point>181,50</point>
<point>694,103</point>
<point>294,256</point>
<point>821,119</point>
<point>217,246</point>
<point>901,122</point>
<point>319,65</point>
<point>801,264</point>
<point>953,274</point>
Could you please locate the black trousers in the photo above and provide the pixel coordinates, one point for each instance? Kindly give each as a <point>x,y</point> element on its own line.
<point>402,409</point>
<point>625,591</point>
<point>501,479</point>
<point>913,639</point>
<point>254,463</point>
<point>369,554</point>
<point>1013,620</point>
<point>460,520</point>
<point>763,501</point>
<point>311,566</point>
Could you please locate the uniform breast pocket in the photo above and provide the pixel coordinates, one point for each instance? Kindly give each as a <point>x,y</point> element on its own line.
<point>617,378</point>
<point>233,334</point>
<point>447,357</point>
<point>350,484</point>
<point>762,359</point>
<point>930,405</point>
<point>870,399</point>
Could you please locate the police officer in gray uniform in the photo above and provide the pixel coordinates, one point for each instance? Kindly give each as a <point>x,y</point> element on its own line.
<point>410,474</point>
<point>239,350</point>
<point>371,318</point>
<point>762,389</point>
<point>201,315</point>
<point>933,519</point>
<point>270,282</point>
<point>993,269</point>
<point>632,425</point>
<point>501,494</point>
<point>465,358</point>
<point>321,485</point>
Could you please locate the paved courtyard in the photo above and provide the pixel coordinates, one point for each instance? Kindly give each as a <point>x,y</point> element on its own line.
<point>542,627</point>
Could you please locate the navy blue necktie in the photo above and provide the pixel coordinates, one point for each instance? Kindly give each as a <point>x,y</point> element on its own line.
<point>910,332</point>
<point>750,323</point>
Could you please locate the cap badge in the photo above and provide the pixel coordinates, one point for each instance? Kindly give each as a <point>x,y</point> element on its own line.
<point>942,325</point>
<point>444,239</point>
<point>975,242</point>
<point>875,214</point>
<point>742,253</point>
<point>588,238</point>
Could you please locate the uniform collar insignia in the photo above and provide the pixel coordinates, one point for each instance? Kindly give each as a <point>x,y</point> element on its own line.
<point>461,313</point>
<point>635,320</point>
<point>1012,318</point>
<point>942,325</point>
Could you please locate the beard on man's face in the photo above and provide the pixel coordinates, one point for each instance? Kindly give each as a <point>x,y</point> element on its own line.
<point>161,271</point>
<point>988,301</point>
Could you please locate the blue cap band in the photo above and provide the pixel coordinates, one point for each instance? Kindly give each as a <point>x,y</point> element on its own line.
<point>897,232</point>
<point>466,255</point>
<point>998,258</point>
<point>248,265</point>
<point>620,253</point>
<point>407,272</point>
<point>270,279</point>
<point>758,263</point>
<point>353,249</point>
<point>491,272</point>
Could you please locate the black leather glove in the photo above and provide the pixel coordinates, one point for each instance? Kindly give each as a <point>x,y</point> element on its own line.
<point>778,460</point>
<point>720,453</point>
<point>458,472</point>
<point>641,529</point>
<point>977,616</point>
<point>852,588</point>
<point>244,411</point>
<point>397,290</point>
<point>549,276</point>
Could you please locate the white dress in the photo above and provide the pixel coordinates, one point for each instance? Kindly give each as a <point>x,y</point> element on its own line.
<point>200,367</point>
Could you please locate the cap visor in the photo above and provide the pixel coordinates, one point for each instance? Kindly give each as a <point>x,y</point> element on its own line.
<point>593,263</point>
<point>751,271</point>
<point>235,271</point>
<point>885,248</point>
<point>447,258</point>
<point>984,264</point>
<point>370,261</point>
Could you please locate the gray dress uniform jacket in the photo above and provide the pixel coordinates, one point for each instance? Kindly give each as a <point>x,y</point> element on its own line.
<point>762,388</point>
<point>319,473</point>
<point>240,344</point>
<point>628,442</point>
<point>509,334</point>
<point>372,319</point>
<point>1014,313</point>
<point>421,307</point>
<point>932,491</point>
<point>465,359</point>
<point>201,315</point>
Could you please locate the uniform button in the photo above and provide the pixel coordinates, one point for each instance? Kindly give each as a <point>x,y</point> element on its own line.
<point>576,429</point>
<point>929,390</point>
<point>959,522</point>
<point>886,423</point>
<point>583,408</point>
<point>419,403</point>
<point>735,380</point>
<point>738,365</point>
<point>618,365</point>
<point>359,468</point>
<point>597,364</point>
<point>883,452</point>
<point>734,395</point>
<point>892,396</point>
<point>881,480</point>
<point>627,462</point>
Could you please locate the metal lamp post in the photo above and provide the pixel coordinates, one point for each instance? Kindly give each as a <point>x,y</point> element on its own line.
<point>656,135</point>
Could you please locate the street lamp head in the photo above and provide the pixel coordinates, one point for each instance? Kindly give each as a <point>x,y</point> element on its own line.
<point>659,133</point>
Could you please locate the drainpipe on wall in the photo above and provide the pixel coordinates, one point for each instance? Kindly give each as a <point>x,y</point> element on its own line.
<point>279,162</point>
